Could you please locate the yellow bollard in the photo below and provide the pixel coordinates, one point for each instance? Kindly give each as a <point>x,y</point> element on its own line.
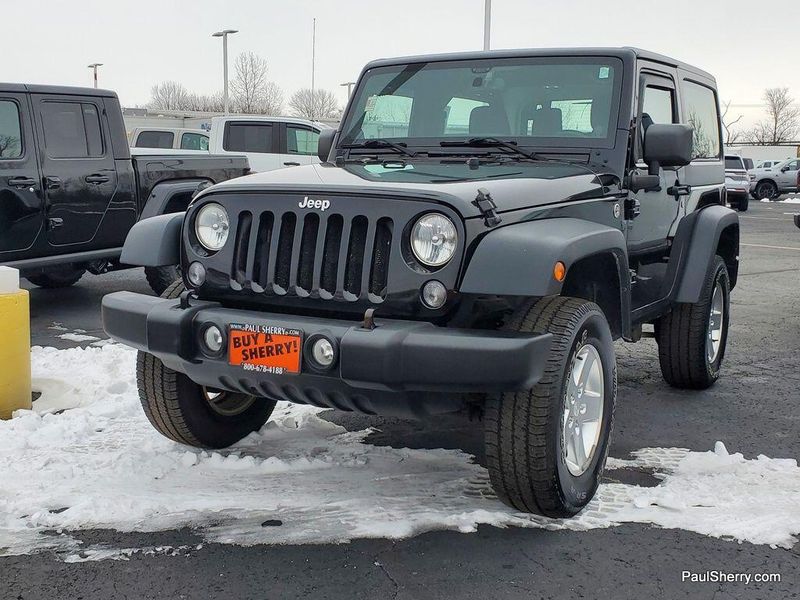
<point>15,350</point>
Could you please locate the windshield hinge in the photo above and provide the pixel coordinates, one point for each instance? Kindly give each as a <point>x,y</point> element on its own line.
<point>487,207</point>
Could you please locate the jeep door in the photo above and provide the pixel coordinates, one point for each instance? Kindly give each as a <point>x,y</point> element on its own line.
<point>78,169</point>
<point>298,145</point>
<point>21,207</point>
<point>648,232</point>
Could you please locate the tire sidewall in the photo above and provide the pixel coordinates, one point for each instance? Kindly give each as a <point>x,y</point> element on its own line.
<point>212,429</point>
<point>719,278</point>
<point>577,491</point>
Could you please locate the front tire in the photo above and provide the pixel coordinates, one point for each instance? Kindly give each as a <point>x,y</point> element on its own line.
<point>160,278</point>
<point>766,190</point>
<point>743,203</point>
<point>692,337</point>
<point>191,414</point>
<point>537,462</point>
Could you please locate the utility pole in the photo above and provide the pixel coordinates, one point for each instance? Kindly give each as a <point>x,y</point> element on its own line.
<point>313,66</point>
<point>487,23</point>
<point>349,85</point>
<point>94,66</point>
<point>224,35</point>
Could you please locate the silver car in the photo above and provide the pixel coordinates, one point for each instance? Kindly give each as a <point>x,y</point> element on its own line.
<point>737,181</point>
<point>783,178</point>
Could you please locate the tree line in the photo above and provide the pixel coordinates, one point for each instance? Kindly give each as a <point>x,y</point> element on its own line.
<point>781,125</point>
<point>250,92</point>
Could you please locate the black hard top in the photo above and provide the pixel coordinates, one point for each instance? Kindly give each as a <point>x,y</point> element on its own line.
<point>624,52</point>
<point>55,89</point>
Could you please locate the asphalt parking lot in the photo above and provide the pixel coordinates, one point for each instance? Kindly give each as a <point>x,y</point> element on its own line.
<point>753,409</point>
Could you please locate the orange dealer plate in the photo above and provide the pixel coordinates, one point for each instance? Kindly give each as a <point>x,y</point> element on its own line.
<point>264,349</point>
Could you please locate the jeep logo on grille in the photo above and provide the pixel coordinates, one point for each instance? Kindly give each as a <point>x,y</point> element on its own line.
<point>310,203</point>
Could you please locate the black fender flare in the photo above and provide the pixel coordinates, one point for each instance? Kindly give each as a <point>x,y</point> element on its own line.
<point>163,192</point>
<point>697,241</point>
<point>154,242</point>
<point>518,259</point>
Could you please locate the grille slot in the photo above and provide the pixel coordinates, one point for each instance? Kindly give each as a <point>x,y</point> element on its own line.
<point>284,252</point>
<point>330,256</point>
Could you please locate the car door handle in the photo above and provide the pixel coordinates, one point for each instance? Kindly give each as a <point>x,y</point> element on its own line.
<point>96,179</point>
<point>52,183</point>
<point>21,181</point>
<point>291,164</point>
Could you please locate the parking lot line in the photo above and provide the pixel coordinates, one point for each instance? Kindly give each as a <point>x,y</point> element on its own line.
<point>771,247</point>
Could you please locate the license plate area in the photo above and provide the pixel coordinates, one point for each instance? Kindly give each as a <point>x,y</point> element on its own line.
<point>265,348</point>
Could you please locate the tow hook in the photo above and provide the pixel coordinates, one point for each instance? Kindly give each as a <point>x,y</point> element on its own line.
<point>369,319</point>
<point>185,297</point>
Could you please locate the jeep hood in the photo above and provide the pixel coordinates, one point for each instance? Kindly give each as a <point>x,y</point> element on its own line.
<point>513,185</point>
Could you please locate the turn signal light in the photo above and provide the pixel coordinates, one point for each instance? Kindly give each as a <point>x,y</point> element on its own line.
<point>559,271</point>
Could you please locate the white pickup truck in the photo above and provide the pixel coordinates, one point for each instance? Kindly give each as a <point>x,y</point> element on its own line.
<point>268,142</point>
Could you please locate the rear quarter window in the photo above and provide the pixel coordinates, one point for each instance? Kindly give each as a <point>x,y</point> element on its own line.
<point>249,137</point>
<point>155,139</point>
<point>702,113</point>
<point>10,131</point>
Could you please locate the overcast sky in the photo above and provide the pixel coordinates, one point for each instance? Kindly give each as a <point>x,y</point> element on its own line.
<point>747,45</point>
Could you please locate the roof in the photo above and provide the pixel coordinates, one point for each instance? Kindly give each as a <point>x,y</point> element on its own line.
<point>294,120</point>
<point>523,52</point>
<point>56,89</point>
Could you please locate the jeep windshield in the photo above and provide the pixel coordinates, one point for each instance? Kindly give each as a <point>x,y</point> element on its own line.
<point>531,102</point>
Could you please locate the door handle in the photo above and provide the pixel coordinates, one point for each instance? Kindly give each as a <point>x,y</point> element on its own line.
<point>291,164</point>
<point>21,181</point>
<point>52,183</point>
<point>96,179</point>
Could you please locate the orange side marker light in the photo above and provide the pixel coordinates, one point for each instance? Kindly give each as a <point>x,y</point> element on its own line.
<point>559,271</point>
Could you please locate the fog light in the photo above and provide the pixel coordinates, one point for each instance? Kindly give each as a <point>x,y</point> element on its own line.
<point>323,352</point>
<point>196,274</point>
<point>434,294</point>
<point>212,338</point>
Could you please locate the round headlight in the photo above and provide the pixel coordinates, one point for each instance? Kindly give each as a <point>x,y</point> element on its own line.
<point>433,239</point>
<point>211,226</point>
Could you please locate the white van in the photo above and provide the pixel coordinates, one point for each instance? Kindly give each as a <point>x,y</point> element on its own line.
<point>268,142</point>
<point>169,137</point>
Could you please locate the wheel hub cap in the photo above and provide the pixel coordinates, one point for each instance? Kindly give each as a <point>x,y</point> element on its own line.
<point>583,410</point>
<point>715,323</point>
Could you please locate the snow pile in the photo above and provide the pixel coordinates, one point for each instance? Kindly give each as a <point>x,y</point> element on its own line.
<point>86,458</point>
<point>789,200</point>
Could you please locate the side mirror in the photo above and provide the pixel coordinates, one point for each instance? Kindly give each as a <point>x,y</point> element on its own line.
<point>667,145</point>
<point>326,137</point>
<point>784,169</point>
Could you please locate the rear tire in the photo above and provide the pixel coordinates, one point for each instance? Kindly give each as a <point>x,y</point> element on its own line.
<point>191,414</point>
<point>160,278</point>
<point>530,447</point>
<point>687,353</point>
<point>55,278</point>
<point>743,203</point>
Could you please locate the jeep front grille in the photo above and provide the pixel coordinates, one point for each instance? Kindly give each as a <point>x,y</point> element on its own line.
<point>328,256</point>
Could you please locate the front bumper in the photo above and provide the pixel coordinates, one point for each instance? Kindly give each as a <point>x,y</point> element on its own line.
<point>397,362</point>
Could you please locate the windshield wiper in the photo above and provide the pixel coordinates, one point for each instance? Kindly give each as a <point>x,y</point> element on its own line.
<point>382,143</point>
<point>491,142</point>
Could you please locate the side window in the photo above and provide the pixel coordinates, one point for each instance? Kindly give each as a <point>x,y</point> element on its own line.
<point>387,116</point>
<point>10,131</point>
<point>658,103</point>
<point>71,130</point>
<point>301,141</point>
<point>194,141</point>
<point>155,139</point>
<point>457,115</point>
<point>794,165</point>
<point>701,111</point>
<point>248,137</point>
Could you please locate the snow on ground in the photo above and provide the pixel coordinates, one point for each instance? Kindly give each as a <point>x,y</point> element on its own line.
<point>787,200</point>
<point>86,458</point>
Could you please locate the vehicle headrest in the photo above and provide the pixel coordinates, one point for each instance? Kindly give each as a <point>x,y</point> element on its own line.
<point>488,121</point>
<point>547,122</point>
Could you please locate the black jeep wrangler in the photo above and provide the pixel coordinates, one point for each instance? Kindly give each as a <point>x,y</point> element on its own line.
<point>482,228</point>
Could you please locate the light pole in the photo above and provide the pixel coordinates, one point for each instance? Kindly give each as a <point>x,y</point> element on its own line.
<point>349,85</point>
<point>94,66</point>
<point>224,35</point>
<point>487,23</point>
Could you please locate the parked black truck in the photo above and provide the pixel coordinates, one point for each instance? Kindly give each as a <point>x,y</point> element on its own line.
<point>483,227</point>
<point>70,190</point>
